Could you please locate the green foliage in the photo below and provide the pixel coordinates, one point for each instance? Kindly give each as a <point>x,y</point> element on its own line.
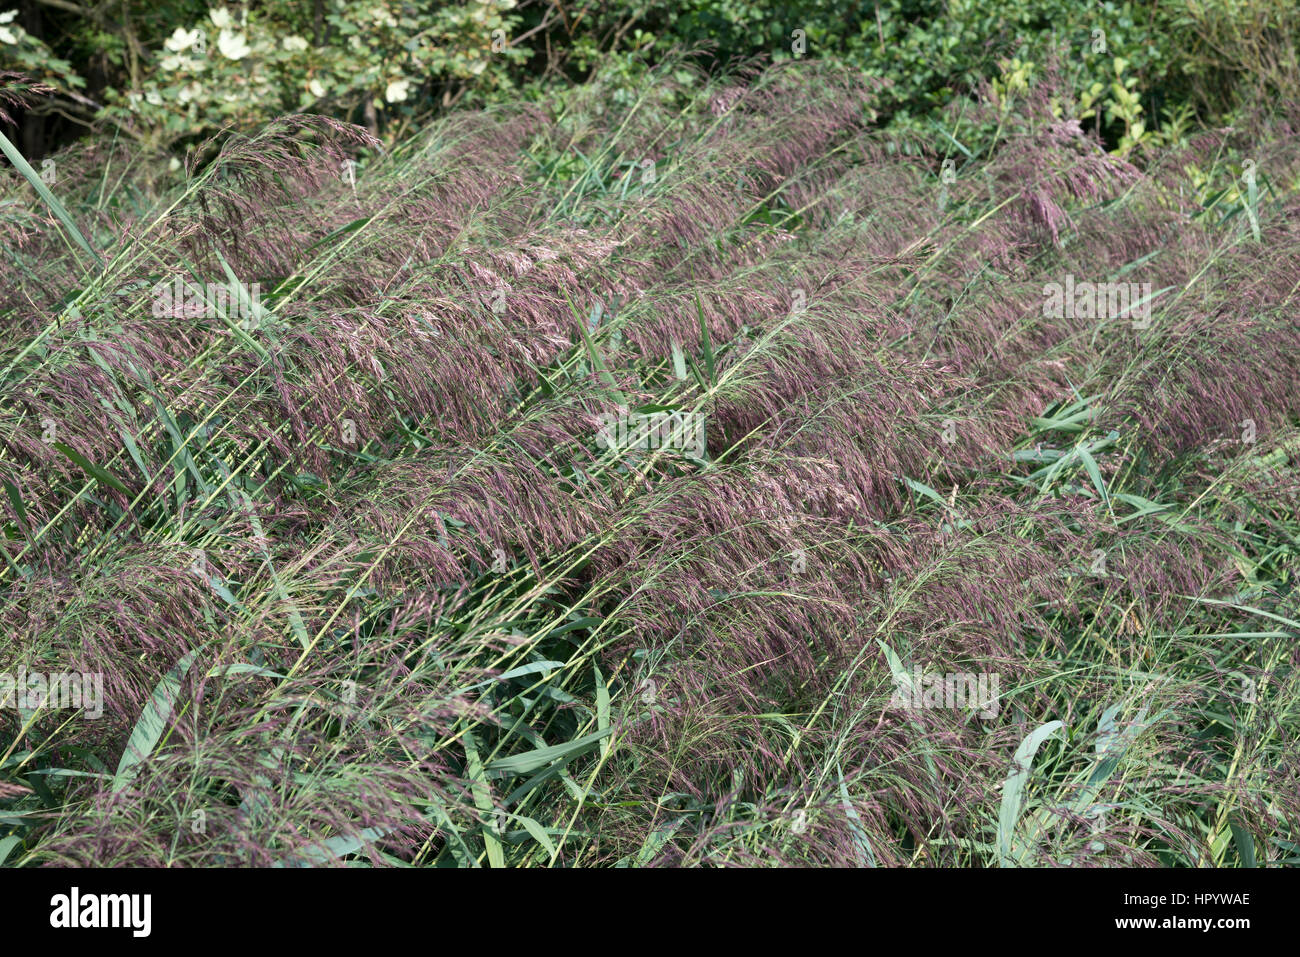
<point>173,72</point>
<point>1142,64</point>
<point>201,69</point>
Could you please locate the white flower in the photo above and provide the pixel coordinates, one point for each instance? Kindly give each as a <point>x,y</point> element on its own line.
<point>181,40</point>
<point>220,18</point>
<point>317,88</point>
<point>174,164</point>
<point>396,91</point>
<point>190,92</point>
<point>294,43</point>
<point>232,45</point>
<point>171,63</point>
<point>7,35</point>
<point>153,98</point>
<point>477,67</point>
<point>8,16</point>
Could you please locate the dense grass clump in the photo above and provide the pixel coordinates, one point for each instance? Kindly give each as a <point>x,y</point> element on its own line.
<point>369,576</point>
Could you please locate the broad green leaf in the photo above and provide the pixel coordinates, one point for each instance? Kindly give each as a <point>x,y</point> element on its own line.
<point>100,475</point>
<point>331,850</point>
<point>602,708</point>
<point>340,233</point>
<point>1014,787</point>
<point>7,845</point>
<point>540,757</point>
<point>1094,473</point>
<point>679,362</point>
<point>538,833</point>
<point>1243,839</point>
<point>152,722</point>
<point>16,500</point>
<point>482,792</point>
<point>521,671</point>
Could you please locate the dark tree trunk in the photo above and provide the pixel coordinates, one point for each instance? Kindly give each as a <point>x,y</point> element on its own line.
<point>32,126</point>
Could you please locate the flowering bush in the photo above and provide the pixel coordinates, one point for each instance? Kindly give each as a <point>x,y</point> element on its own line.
<point>231,66</point>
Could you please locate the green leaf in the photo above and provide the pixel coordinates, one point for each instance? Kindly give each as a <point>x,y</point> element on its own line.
<point>233,326</point>
<point>100,475</point>
<point>866,857</point>
<point>902,677</point>
<point>329,851</point>
<point>16,500</point>
<point>521,671</point>
<point>538,834</point>
<point>1014,787</point>
<point>653,844</point>
<point>1254,611</point>
<point>602,708</point>
<point>340,233</point>
<point>1094,473</point>
<point>49,198</point>
<point>1143,301</point>
<point>928,492</point>
<point>1244,841</point>
<point>540,757</point>
<point>456,845</point>
<point>482,792</point>
<point>597,363</point>
<point>1144,506</point>
<point>7,845</point>
<point>574,625</point>
<point>1112,744</point>
<point>679,362</point>
<point>152,722</point>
